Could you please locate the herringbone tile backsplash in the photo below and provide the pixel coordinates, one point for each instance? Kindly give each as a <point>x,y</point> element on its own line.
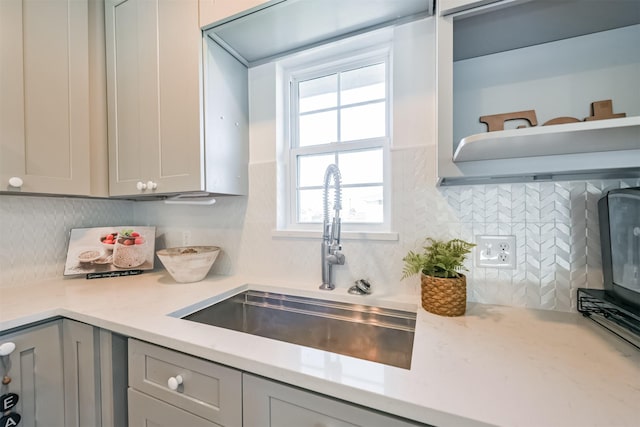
<point>555,225</point>
<point>557,239</point>
<point>35,232</point>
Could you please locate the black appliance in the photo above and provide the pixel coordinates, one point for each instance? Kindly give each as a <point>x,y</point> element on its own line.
<point>619,302</point>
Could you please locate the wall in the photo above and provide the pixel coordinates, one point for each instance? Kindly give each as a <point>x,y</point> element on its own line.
<point>555,224</point>
<point>35,232</point>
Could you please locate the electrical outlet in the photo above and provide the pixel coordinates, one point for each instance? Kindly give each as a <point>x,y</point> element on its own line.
<point>496,251</point>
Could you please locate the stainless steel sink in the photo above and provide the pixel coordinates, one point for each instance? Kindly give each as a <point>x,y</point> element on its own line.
<point>371,333</point>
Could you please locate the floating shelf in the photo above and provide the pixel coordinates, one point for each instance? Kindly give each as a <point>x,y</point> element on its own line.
<point>570,138</point>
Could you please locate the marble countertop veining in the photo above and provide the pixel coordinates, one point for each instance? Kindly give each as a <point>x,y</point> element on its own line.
<point>494,366</point>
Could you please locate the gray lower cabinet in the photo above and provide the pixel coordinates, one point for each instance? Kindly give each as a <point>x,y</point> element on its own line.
<point>95,376</point>
<point>35,368</point>
<point>271,404</point>
<point>165,384</point>
<point>168,388</point>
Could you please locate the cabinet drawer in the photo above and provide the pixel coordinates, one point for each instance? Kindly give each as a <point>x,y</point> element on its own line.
<point>147,411</point>
<point>208,390</point>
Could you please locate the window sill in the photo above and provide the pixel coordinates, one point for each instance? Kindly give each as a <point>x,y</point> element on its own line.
<point>345,235</point>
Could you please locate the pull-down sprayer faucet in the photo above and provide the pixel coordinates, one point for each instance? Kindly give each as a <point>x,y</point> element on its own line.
<point>331,231</point>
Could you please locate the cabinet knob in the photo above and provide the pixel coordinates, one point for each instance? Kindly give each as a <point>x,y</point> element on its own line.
<point>151,185</point>
<point>7,348</point>
<point>174,382</point>
<point>15,181</point>
<point>141,186</point>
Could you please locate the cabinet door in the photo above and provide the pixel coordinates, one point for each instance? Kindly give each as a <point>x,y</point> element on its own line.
<point>36,372</point>
<point>44,96</point>
<point>216,10</point>
<point>113,378</point>
<point>82,374</point>
<point>153,73</point>
<point>146,411</point>
<point>270,404</point>
<point>95,376</point>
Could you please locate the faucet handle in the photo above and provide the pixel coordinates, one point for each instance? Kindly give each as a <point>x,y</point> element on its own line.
<point>362,287</point>
<point>339,257</point>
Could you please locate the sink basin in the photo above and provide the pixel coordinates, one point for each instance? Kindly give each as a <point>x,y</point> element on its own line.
<point>371,333</point>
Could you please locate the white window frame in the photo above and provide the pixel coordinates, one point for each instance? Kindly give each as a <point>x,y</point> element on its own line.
<point>341,60</point>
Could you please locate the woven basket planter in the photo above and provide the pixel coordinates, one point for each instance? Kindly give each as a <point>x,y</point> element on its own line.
<point>446,297</point>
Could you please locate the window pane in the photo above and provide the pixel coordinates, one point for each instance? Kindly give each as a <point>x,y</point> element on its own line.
<point>311,169</point>
<point>365,121</point>
<point>318,128</point>
<point>361,167</point>
<point>363,84</point>
<point>310,206</point>
<point>362,204</point>
<point>359,204</point>
<point>318,94</point>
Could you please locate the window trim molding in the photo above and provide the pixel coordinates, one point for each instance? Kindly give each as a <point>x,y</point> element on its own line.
<point>385,236</point>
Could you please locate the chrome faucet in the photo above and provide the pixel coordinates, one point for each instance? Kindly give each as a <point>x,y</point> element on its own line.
<point>331,231</point>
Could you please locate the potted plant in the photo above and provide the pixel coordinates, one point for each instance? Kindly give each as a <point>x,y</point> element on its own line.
<point>444,288</point>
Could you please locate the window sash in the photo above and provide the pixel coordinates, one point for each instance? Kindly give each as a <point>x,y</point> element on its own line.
<point>336,147</point>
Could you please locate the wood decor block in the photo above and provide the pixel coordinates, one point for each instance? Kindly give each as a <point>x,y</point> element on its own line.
<point>601,110</point>
<point>560,120</point>
<point>495,122</point>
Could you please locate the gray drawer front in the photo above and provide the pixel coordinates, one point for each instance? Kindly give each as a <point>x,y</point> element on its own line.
<point>146,411</point>
<point>208,390</point>
<point>271,404</point>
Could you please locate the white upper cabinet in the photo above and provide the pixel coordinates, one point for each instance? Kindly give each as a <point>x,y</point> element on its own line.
<point>157,141</point>
<point>153,69</point>
<point>50,98</point>
<point>571,68</point>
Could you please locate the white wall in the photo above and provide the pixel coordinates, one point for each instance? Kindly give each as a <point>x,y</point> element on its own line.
<point>555,224</point>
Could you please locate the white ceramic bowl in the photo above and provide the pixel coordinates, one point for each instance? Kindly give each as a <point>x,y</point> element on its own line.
<point>188,263</point>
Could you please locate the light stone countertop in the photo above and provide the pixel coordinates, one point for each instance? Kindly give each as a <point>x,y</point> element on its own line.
<point>494,366</point>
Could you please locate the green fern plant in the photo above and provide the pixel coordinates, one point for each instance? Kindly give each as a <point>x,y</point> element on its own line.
<point>438,259</point>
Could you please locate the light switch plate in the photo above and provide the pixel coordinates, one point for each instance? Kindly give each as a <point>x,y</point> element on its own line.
<point>496,252</point>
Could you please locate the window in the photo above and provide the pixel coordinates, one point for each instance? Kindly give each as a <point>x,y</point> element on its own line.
<point>339,113</point>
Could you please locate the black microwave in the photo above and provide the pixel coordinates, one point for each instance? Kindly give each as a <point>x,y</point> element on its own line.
<point>617,306</point>
<point>619,217</point>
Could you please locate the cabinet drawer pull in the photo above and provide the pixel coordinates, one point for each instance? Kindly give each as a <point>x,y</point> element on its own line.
<point>141,186</point>
<point>174,382</point>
